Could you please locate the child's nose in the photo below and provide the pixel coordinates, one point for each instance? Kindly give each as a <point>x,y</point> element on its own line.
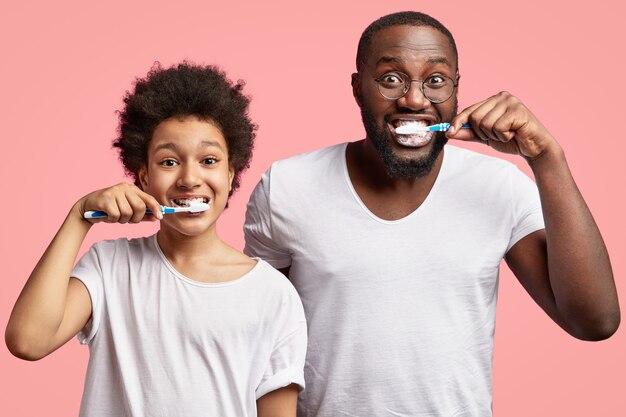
<point>189,176</point>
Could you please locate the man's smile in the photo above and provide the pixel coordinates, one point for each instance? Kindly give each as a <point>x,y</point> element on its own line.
<point>414,140</point>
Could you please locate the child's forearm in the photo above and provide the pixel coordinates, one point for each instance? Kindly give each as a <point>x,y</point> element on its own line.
<point>279,403</point>
<point>38,323</point>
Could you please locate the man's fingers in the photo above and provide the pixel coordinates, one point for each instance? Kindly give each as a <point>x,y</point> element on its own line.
<point>465,135</point>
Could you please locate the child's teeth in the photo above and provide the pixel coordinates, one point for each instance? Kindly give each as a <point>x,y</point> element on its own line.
<point>186,202</point>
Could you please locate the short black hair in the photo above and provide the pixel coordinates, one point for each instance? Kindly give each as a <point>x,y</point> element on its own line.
<point>396,19</point>
<point>184,90</point>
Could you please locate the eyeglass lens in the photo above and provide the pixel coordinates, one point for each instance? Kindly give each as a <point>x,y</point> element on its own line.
<point>436,88</point>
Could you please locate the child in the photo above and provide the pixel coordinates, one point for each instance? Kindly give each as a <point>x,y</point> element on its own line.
<point>178,323</point>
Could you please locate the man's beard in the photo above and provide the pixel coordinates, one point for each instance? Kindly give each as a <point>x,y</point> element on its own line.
<point>396,166</point>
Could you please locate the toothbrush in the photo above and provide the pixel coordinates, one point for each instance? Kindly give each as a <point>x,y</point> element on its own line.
<point>411,128</point>
<point>194,208</point>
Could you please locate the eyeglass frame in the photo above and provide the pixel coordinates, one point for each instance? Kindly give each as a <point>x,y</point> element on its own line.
<point>411,81</point>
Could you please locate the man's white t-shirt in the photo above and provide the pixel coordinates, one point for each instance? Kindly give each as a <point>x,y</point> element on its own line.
<point>164,345</point>
<point>401,314</point>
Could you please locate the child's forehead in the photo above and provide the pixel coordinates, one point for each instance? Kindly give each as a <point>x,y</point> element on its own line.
<point>181,118</point>
<point>187,132</point>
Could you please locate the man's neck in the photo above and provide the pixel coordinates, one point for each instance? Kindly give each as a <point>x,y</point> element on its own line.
<point>387,197</point>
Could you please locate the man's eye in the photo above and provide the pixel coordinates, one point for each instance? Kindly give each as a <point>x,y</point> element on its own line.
<point>169,163</point>
<point>436,81</point>
<point>391,79</point>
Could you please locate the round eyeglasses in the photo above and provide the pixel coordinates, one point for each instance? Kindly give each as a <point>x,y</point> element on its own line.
<point>436,88</point>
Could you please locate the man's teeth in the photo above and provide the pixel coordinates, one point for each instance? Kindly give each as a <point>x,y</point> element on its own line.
<point>412,133</point>
<point>186,202</point>
<point>410,127</point>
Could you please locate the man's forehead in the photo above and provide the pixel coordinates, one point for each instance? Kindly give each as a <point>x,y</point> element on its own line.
<point>405,39</point>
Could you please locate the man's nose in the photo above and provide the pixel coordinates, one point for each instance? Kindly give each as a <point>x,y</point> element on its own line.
<point>414,99</point>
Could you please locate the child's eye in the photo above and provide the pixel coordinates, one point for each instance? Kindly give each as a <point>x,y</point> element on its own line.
<point>209,161</point>
<point>169,163</point>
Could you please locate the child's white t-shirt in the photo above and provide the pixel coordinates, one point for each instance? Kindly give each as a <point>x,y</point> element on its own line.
<point>162,344</point>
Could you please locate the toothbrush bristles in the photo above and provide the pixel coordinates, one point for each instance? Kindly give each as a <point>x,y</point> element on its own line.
<point>198,207</point>
<point>408,129</point>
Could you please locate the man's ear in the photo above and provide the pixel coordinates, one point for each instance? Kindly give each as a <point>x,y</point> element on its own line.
<point>143,177</point>
<point>356,88</point>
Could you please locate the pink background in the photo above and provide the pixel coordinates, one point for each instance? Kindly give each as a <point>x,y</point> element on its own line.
<point>66,65</point>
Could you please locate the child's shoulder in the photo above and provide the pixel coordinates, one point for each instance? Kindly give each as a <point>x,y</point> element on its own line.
<point>138,244</point>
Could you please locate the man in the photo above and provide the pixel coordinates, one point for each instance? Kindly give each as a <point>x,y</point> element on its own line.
<point>394,241</point>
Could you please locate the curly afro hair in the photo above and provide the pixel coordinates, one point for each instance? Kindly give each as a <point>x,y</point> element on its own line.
<point>179,91</point>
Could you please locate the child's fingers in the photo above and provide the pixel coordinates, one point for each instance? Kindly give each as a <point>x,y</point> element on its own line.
<point>112,210</point>
<point>132,204</point>
<point>123,203</point>
<point>151,203</point>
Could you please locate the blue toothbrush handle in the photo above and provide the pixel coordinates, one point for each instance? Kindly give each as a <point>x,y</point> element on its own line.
<point>101,214</point>
<point>446,126</point>
<point>94,214</point>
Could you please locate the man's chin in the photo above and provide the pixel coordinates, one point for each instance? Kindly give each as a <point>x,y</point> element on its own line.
<point>403,157</point>
<point>411,161</point>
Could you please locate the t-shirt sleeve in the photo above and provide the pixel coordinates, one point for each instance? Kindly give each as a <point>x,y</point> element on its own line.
<point>88,270</point>
<point>286,364</point>
<point>527,214</point>
<point>260,236</point>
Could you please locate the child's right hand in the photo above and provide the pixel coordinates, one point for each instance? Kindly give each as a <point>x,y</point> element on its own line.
<point>123,203</point>
<point>52,307</point>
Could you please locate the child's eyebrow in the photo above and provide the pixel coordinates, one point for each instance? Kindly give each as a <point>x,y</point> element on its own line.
<point>210,143</point>
<point>165,146</point>
<point>204,144</point>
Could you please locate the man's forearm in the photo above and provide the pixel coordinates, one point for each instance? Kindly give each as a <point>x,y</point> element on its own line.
<point>578,262</point>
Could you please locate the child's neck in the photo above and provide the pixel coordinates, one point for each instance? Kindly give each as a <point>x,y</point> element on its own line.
<point>177,246</point>
<point>204,258</point>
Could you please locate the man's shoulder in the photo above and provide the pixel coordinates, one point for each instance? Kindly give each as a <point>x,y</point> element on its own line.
<point>468,169</point>
<point>307,169</point>
<point>464,158</point>
<point>327,155</point>
<point>272,281</point>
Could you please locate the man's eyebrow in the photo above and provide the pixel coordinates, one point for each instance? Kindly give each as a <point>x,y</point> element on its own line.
<point>398,60</point>
<point>389,59</point>
<point>439,60</point>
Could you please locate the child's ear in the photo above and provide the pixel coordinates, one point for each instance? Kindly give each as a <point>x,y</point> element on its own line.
<point>143,178</point>
<point>231,176</point>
